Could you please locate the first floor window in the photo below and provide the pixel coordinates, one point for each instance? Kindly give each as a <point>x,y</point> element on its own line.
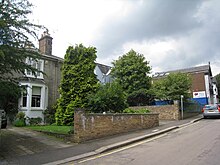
<point>37,64</point>
<point>36,97</point>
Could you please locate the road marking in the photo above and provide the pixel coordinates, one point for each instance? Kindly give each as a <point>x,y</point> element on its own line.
<point>123,148</point>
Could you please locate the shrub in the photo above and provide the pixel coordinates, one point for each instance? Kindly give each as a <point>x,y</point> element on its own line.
<point>140,98</point>
<point>35,121</point>
<point>20,120</point>
<point>49,115</point>
<point>130,110</point>
<point>109,98</point>
<point>19,123</point>
<point>20,115</point>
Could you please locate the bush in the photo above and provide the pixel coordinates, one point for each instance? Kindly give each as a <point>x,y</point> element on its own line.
<point>20,120</point>
<point>109,98</point>
<point>20,115</point>
<point>35,121</point>
<point>49,115</point>
<point>19,123</point>
<point>140,98</point>
<point>130,110</point>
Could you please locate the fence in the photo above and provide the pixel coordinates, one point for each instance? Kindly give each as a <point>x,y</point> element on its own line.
<point>191,108</point>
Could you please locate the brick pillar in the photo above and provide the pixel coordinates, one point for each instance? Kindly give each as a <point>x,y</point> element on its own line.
<point>79,123</point>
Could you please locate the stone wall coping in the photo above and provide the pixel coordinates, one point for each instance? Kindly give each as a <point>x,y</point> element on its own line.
<point>120,114</point>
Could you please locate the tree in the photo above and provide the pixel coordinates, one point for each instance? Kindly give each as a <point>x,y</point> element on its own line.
<point>78,81</point>
<point>172,87</point>
<point>109,98</point>
<point>9,95</point>
<point>140,98</point>
<point>16,36</point>
<point>130,71</point>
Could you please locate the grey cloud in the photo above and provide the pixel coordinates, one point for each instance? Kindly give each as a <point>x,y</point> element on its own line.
<point>154,19</point>
<point>194,25</point>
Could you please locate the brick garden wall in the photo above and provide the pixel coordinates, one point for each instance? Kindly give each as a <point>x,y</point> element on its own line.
<point>166,112</point>
<point>92,126</point>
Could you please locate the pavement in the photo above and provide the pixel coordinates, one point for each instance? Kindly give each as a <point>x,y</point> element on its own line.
<point>64,153</point>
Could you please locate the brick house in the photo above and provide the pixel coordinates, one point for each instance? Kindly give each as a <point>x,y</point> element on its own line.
<point>204,88</point>
<point>42,91</point>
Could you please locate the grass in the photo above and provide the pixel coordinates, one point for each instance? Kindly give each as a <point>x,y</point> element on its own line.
<point>52,129</point>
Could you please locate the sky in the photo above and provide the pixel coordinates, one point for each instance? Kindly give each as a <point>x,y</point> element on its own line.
<point>171,34</point>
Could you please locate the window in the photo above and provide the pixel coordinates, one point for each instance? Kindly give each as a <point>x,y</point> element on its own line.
<point>24,98</point>
<point>37,64</point>
<point>36,97</point>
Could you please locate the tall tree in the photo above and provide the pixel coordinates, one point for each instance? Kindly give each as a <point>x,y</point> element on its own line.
<point>131,71</point>
<point>78,81</point>
<point>16,44</point>
<point>16,38</point>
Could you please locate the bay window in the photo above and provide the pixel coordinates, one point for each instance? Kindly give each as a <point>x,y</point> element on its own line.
<point>36,97</point>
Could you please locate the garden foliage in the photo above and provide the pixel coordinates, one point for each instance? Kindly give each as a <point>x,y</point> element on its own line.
<point>109,98</point>
<point>131,72</point>
<point>172,87</point>
<point>78,81</point>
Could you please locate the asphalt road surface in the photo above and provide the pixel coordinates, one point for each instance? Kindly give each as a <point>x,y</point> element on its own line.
<point>196,144</point>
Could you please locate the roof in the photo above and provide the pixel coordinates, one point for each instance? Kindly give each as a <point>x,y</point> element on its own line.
<point>104,68</point>
<point>197,69</point>
<point>52,57</point>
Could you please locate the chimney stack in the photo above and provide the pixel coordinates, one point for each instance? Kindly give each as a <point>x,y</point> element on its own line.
<point>45,43</point>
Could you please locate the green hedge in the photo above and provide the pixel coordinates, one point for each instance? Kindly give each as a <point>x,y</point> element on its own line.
<point>141,110</point>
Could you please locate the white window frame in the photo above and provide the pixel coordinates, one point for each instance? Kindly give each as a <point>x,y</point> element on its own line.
<point>22,98</point>
<point>43,100</point>
<point>36,96</point>
<point>31,62</point>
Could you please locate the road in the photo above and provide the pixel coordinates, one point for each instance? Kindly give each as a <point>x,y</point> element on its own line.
<point>196,144</point>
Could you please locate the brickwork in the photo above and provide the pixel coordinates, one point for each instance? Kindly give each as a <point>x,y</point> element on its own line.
<point>198,82</point>
<point>166,112</point>
<point>52,69</point>
<point>92,126</point>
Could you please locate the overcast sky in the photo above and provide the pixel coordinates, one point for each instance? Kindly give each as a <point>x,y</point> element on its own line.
<point>171,34</point>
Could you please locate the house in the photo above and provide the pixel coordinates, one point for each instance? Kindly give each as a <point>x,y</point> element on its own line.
<point>42,90</point>
<point>103,73</point>
<point>204,88</point>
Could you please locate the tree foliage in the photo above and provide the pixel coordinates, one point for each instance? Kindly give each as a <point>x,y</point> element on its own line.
<point>131,71</point>
<point>78,81</point>
<point>172,87</point>
<point>140,98</point>
<point>16,44</point>
<point>16,38</point>
<point>9,95</point>
<point>109,98</point>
